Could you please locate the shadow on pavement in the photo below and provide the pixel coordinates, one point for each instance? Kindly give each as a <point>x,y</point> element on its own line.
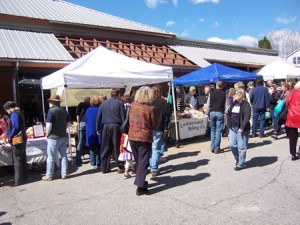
<point>183,166</point>
<point>182,155</point>
<point>261,161</point>
<point>74,168</point>
<point>258,144</point>
<point>167,182</point>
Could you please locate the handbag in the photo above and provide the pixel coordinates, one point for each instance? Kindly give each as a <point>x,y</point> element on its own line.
<point>124,128</point>
<point>278,108</point>
<point>283,115</point>
<point>17,140</point>
<point>126,144</point>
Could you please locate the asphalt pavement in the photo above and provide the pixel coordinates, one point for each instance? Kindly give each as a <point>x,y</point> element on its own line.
<point>195,187</point>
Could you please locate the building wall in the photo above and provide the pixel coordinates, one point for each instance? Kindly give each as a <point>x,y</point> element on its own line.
<point>5,87</point>
<point>295,55</point>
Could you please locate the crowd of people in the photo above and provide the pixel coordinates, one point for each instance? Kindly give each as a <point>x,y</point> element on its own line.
<point>140,150</point>
<point>235,109</point>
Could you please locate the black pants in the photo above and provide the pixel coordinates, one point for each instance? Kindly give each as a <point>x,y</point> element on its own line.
<point>20,163</point>
<point>111,138</point>
<point>293,137</point>
<point>141,152</point>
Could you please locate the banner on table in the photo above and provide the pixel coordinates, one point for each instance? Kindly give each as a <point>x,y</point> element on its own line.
<point>192,127</point>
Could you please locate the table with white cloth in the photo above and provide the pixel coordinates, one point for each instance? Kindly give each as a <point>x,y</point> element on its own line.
<point>189,127</point>
<point>36,151</point>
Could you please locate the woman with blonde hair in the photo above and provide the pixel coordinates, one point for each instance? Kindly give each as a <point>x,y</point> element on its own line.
<point>93,141</point>
<point>142,122</point>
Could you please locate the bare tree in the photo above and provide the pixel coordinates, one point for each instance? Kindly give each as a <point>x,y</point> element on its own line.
<point>284,41</point>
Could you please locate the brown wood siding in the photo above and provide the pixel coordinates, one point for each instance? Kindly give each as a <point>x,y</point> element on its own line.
<point>5,88</point>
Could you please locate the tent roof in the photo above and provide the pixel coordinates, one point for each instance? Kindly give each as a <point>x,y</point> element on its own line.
<point>279,69</point>
<point>213,73</point>
<point>104,68</point>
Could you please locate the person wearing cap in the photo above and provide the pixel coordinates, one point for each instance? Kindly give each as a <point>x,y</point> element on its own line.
<point>191,99</point>
<point>56,129</point>
<point>16,126</point>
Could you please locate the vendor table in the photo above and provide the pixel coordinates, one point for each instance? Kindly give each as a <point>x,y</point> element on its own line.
<point>36,151</point>
<point>188,128</point>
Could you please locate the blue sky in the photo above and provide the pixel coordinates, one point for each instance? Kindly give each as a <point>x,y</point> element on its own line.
<point>241,22</point>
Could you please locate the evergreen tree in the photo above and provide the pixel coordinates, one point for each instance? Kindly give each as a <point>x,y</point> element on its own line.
<point>265,43</point>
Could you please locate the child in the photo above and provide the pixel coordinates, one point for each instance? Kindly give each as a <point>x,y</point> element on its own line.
<point>126,155</point>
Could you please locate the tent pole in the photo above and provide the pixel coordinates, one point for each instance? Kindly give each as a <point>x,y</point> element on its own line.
<point>175,116</point>
<point>69,128</point>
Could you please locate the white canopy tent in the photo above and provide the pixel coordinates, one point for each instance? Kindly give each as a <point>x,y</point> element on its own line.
<point>102,68</point>
<point>279,69</point>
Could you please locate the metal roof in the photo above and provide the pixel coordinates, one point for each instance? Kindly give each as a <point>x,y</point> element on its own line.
<point>202,56</point>
<point>31,46</point>
<point>64,12</point>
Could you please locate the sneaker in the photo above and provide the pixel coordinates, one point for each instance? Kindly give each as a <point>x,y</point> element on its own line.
<point>64,177</point>
<point>275,136</point>
<point>155,174</point>
<point>141,191</point>
<point>253,135</point>
<point>238,168</point>
<point>262,135</point>
<point>127,175</point>
<point>47,178</point>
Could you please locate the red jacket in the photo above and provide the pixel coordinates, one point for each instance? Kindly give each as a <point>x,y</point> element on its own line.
<point>293,104</point>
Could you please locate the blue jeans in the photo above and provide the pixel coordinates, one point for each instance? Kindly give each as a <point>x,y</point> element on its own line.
<point>95,155</point>
<point>156,150</point>
<point>258,113</point>
<point>81,138</point>
<point>238,143</point>
<point>216,126</point>
<point>53,146</point>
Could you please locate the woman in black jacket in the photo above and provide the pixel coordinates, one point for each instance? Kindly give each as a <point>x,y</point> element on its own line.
<point>239,127</point>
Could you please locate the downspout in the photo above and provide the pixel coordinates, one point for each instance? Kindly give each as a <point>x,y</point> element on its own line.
<point>15,82</point>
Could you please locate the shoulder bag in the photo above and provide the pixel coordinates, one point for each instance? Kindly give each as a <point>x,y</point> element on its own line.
<point>124,128</point>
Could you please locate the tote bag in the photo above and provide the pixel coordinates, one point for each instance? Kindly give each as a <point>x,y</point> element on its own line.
<point>278,108</point>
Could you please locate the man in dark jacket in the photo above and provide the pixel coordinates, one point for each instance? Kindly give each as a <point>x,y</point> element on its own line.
<point>260,101</point>
<point>111,114</point>
<point>162,111</point>
<point>216,105</point>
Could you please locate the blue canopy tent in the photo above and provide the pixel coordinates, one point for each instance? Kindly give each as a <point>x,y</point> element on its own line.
<point>213,73</point>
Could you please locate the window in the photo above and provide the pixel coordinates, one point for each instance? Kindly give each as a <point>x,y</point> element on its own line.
<point>296,60</point>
